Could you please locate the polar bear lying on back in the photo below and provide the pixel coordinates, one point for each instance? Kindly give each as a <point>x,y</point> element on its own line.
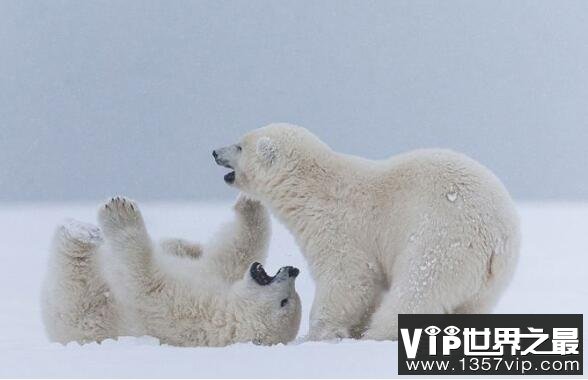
<point>199,297</point>
<point>430,231</point>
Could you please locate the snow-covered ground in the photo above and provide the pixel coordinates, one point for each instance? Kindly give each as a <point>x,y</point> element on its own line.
<point>551,278</point>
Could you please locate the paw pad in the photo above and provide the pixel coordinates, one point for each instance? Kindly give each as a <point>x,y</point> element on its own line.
<point>119,212</point>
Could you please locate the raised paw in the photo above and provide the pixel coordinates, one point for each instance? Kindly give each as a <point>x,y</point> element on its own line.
<point>119,213</point>
<point>245,204</point>
<point>76,238</point>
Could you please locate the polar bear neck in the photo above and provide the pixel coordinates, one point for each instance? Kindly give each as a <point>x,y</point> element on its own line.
<point>305,197</point>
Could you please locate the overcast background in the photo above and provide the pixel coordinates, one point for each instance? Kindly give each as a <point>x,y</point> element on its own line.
<point>101,97</point>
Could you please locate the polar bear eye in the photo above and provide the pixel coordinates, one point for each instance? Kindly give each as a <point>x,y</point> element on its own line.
<point>284,302</point>
<point>239,148</point>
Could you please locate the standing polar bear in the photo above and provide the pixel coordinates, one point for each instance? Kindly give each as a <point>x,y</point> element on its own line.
<point>429,231</point>
<point>111,282</point>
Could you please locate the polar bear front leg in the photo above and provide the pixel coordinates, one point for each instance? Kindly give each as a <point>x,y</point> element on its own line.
<point>343,303</point>
<point>241,242</point>
<point>127,237</point>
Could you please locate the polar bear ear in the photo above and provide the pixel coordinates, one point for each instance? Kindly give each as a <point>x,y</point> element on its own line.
<point>267,150</point>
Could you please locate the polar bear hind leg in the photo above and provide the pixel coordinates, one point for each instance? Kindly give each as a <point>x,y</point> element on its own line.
<point>131,248</point>
<point>434,279</point>
<point>500,270</point>
<point>479,304</point>
<point>77,304</point>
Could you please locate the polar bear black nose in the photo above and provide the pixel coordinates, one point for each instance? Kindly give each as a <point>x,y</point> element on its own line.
<point>293,272</point>
<point>214,154</point>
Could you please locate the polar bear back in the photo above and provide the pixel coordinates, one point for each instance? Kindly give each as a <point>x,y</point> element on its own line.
<point>440,201</point>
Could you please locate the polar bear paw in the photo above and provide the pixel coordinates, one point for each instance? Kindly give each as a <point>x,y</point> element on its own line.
<point>244,204</point>
<point>252,212</point>
<point>76,238</point>
<point>321,332</point>
<point>380,334</point>
<point>119,213</point>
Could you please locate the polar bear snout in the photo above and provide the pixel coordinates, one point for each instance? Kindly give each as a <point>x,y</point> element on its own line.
<point>227,156</point>
<point>220,159</point>
<point>286,274</point>
<point>292,271</point>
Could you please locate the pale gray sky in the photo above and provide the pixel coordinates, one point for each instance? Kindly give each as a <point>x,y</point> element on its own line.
<point>106,97</point>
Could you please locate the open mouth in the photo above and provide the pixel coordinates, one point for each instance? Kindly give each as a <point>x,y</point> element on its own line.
<point>230,176</point>
<point>260,276</point>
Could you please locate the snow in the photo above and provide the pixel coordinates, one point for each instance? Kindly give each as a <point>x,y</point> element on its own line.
<point>551,278</point>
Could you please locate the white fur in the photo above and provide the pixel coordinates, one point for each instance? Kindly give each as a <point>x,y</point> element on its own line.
<point>429,231</point>
<point>177,291</point>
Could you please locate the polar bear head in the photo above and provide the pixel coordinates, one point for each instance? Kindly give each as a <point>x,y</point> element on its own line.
<point>267,308</point>
<point>271,156</point>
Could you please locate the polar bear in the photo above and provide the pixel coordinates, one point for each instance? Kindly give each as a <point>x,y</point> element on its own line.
<point>429,231</point>
<point>107,282</point>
